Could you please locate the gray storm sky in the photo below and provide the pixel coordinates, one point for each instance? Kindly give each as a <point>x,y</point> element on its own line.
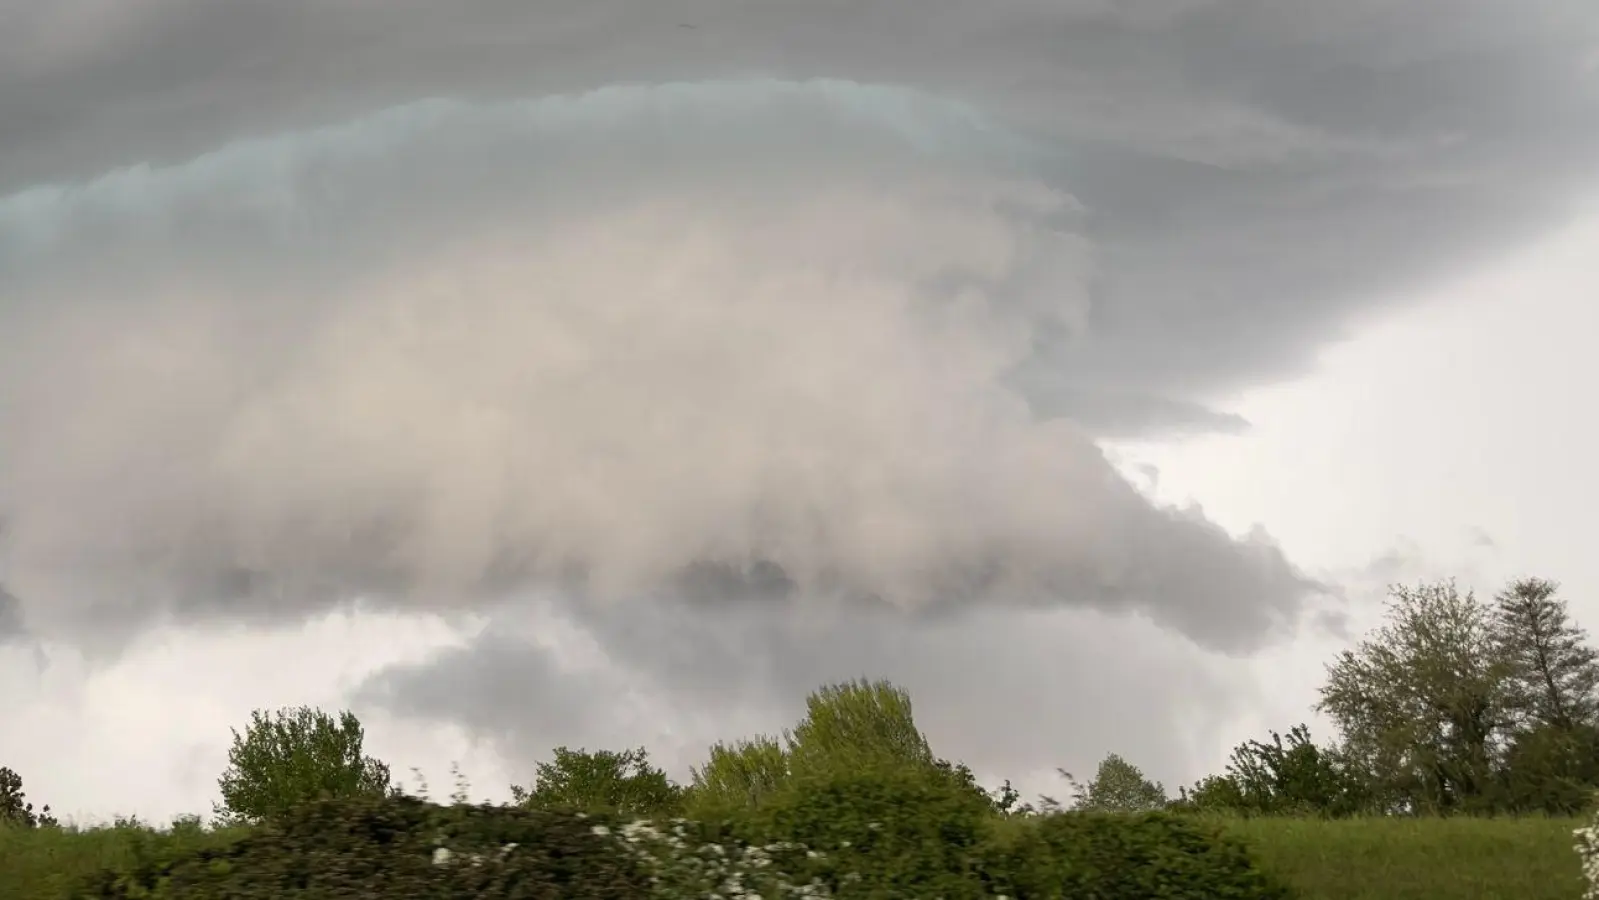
<point>640,366</point>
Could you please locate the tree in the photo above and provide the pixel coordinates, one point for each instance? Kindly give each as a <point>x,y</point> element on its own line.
<point>848,726</point>
<point>293,756</point>
<point>1551,770</point>
<point>742,774</point>
<point>1296,777</point>
<point>15,810</point>
<point>1553,672</point>
<point>1120,786</point>
<point>622,782</point>
<point>1213,793</point>
<point>1551,761</point>
<point>858,723</point>
<point>1422,701</point>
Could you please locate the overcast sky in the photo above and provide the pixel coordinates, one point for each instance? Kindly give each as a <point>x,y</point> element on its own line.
<point>613,373</point>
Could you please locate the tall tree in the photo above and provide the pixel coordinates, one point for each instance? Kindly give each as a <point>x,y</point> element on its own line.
<point>292,756</point>
<point>1421,701</point>
<point>1553,672</point>
<point>858,723</point>
<point>1551,762</point>
<point>1120,786</point>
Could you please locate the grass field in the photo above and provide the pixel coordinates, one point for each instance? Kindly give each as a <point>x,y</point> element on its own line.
<point>46,863</point>
<point>1376,859</point>
<point>1419,859</point>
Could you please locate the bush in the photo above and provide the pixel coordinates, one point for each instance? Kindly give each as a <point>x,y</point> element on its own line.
<point>1113,856</point>
<point>881,832</point>
<point>393,847</point>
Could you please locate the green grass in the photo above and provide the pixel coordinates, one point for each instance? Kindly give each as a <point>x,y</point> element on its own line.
<point>1369,859</point>
<point>45,864</point>
<point>1419,859</point>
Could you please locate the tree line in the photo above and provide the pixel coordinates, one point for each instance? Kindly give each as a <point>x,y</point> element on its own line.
<point>1455,705</point>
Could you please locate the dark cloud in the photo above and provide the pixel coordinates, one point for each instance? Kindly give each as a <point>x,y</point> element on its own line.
<point>1256,176</point>
<point>1012,694</point>
<point>508,691</point>
<point>401,358</point>
<point>11,625</point>
<point>800,307</point>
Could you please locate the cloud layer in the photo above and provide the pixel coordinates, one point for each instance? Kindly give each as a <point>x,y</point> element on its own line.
<point>639,342</point>
<point>753,326</point>
<point>1014,695</point>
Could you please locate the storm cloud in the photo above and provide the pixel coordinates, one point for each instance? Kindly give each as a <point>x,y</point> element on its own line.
<point>1015,694</point>
<point>599,341</point>
<point>775,311</point>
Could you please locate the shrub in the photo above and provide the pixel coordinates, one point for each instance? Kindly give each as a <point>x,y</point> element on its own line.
<point>880,831</point>
<point>696,860</point>
<point>393,847</point>
<point>1588,853</point>
<point>1114,856</point>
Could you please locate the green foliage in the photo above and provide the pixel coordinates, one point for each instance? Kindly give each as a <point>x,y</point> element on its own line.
<point>15,810</point>
<point>1454,706</point>
<point>857,724</point>
<point>1295,777</point>
<point>1526,858</point>
<point>1213,794</point>
<point>1421,701</point>
<point>852,725</point>
<point>739,775</point>
<point>1551,769</point>
<point>1111,856</point>
<point>1551,758</point>
<point>1553,672</point>
<point>1410,858</point>
<point>1120,786</point>
<point>388,847</point>
<point>602,780</point>
<point>294,756</point>
<point>52,863</point>
<point>852,803</point>
<point>883,831</point>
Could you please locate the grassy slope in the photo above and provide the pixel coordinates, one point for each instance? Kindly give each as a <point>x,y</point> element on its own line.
<point>1432,859</point>
<point>1426,859</point>
<point>45,864</point>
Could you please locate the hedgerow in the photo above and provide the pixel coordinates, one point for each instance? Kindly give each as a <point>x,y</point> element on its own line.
<point>856,834</point>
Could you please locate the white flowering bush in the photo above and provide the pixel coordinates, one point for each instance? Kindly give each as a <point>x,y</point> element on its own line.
<point>1588,851</point>
<point>680,868</point>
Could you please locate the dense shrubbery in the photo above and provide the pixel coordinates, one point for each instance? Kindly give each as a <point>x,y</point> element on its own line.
<point>1454,707</point>
<point>852,834</point>
<point>883,831</point>
<point>393,847</point>
<point>1120,856</point>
